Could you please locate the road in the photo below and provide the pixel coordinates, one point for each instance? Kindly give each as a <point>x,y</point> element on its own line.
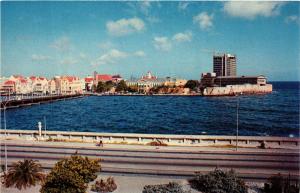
<point>177,162</point>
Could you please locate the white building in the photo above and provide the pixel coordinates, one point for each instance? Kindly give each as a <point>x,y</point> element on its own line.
<point>145,83</point>
<point>39,85</point>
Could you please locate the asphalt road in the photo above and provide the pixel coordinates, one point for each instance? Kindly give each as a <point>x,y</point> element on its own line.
<point>254,165</point>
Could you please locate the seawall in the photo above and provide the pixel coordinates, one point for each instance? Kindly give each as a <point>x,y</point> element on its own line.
<point>231,90</point>
<point>144,139</point>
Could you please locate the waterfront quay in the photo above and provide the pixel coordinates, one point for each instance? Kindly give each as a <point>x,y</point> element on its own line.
<point>180,157</point>
<point>16,102</point>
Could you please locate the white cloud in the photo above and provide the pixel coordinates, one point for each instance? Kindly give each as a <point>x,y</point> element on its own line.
<point>250,10</point>
<point>292,19</point>
<point>183,5</point>
<point>125,26</point>
<point>183,37</point>
<point>69,60</point>
<point>139,53</point>
<point>36,57</point>
<point>204,20</point>
<point>162,43</point>
<point>61,44</point>
<point>110,57</point>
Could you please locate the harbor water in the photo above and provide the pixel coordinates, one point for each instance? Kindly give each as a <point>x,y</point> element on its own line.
<point>275,114</point>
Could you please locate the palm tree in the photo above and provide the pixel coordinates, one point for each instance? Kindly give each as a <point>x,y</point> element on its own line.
<point>23,174</point>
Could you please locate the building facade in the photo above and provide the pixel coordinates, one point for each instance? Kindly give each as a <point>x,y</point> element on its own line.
<point>146,82</point>
<point>224,64</point>
<point>105,78</point>
<point>211,80</point>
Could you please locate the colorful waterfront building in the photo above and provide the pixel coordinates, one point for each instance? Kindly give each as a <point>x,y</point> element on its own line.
<point>69,85</point>
<point>175,82</point>
<point>146,82</point>
<point>39,84</point>
<point>88,82</point>
<point>52,87</point>
<point>105,78</point>
<point>22,85</point>
<point>8,87</point>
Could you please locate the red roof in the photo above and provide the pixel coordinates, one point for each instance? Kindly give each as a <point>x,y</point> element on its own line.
<point>23,81</point>
<point>9,82</point>
<point>103,77</point>
<point>32,77</point>
<point>71,78</point>
<point>42,78</point>
<point>88,79</point>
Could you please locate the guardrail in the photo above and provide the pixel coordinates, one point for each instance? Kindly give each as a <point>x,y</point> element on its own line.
<point>128,138</point>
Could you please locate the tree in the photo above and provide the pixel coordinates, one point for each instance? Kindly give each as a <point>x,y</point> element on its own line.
<point>191,84</point>
<point>23,174</point>
<point>121,86</point>
<point>218,181</point>
<point>101,87</point>
<point>279,184</point>
<point>64,180</point>
<point>71,175</point>
<point>109,85</point>
<point>94,88</point>
<point>103,186</point>
<point>133,89</point>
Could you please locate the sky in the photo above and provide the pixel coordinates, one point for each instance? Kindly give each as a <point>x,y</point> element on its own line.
<point>174,39</point>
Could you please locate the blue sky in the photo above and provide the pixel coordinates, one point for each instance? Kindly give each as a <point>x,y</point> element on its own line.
<point>167,38</point>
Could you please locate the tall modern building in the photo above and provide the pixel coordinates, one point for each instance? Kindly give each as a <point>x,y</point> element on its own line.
<point>224,64</point>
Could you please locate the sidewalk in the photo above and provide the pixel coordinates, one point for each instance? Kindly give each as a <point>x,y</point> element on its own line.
<point>186,149</point>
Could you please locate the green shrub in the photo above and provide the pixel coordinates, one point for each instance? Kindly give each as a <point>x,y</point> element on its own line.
<point>218,181</point>
<point>277,184</point>
<point>84,166</point>
<point>172,187</point>
<point>104,186</point>
<point>157,143</point>
<point>71,175</point>
<point>63,180</point>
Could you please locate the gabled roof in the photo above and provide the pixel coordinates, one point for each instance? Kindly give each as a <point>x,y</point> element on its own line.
<point>88,79</point>
<point>103,77</point>
<point>23,81</point>
<point>32,77</point>
<point>9,82</point>
<point>70,78</point>
<point>42,78</point>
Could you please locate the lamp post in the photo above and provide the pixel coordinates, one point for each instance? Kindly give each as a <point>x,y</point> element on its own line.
<point>237,122</point>
<point>237,118</point>
<point>5,134</point>
<point>45,126</point>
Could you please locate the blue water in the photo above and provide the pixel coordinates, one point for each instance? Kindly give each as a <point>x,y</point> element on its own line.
<point>275,114</point>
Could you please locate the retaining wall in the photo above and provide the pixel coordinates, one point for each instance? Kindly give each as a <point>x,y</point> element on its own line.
<point>233,89</point>
<point>127,138</point>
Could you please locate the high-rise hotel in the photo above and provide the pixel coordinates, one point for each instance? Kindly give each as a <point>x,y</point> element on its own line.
<point>224,64</point>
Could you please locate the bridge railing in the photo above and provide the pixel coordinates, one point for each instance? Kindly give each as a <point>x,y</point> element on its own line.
<point>128,138</point>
